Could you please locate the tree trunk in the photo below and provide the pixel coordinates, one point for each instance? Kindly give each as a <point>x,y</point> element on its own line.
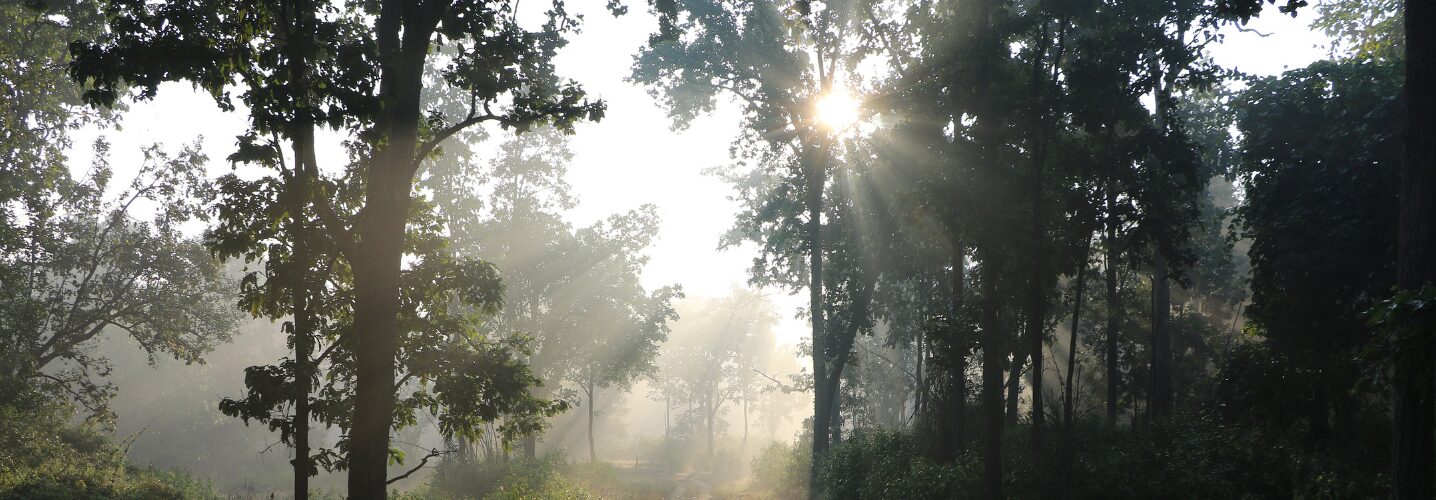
<point>1068,413</point>
<point>1114,308</point>
<point>1014,385</point>
<point>378,253</point>
<point>1414,466</point>
<point>1037,279</point>
<point>993,351</point>
<point>592,455</point>
<point>815,173</point>
<point>1161,397</point>
<point>1161,338</point>
<point>954,421</point>
<point>918,388</point>
<point>303,331</point>
<point>298,22</point>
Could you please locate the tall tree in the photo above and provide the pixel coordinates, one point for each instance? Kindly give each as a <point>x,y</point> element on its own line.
<point>1414,381</point>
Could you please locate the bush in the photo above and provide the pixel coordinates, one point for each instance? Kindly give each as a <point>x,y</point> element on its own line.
<point>886,464</point>
<point>42,457</point>
<point>782,469</point>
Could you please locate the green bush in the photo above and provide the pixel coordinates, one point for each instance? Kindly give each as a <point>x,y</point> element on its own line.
<point>1189,456</point>
<point>504,479</point>
<point>782,469</point>
<point>43,457</point>
<point>887,464</point>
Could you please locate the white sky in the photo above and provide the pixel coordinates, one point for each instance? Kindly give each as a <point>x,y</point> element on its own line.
<point>632,157</point>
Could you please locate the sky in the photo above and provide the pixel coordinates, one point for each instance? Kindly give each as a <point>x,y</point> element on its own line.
<point>633,156</point>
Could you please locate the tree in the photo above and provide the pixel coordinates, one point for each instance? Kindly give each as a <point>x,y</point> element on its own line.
<point>779,75</point>
<point>1414,380</point>
<point>86,265</point>
<point>713,358</point>
<point>501,70</point>
<point>603,290</point>
<point>1332,183</point>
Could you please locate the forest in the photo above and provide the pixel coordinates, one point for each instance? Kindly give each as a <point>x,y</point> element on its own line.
<point>717,249</point>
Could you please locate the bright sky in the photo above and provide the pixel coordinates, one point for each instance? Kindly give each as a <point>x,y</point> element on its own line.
<point>632,157</point>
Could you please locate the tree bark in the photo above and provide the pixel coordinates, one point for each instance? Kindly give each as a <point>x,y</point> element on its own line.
<point>378,255</point>
<point>1414,390</point>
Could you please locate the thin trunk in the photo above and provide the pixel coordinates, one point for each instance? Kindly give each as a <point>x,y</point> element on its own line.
<point>1068,414</point>
<point>1161,397</point>
<point>1037,280</point>
<point>918,387</point>
<point>592,455</point>
<point>956,399</point>
<point>298,21</point>
<point>993,351</point>
<point>815,173</point>
<point>1414,466</point>
<point>1114,308</point>
<point>1014,386</point>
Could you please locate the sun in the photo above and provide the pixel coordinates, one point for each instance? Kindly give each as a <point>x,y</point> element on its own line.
<point>837,110</point>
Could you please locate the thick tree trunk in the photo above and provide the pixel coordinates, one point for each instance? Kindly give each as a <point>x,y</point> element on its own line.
<point>993,351</point>
<point>1414,390</point>
<point>379,251</point>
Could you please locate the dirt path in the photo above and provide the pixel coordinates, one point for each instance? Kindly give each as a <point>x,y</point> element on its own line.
<point>689,486</point>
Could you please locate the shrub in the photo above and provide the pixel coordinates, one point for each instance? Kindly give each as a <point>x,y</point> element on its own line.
<point>782,469</point>
<point>43,457</point>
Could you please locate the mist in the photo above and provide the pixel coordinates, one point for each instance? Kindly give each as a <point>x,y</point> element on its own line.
<point>639,249</point>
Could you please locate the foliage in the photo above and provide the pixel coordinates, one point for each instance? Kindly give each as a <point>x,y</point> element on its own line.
<point>782,469</point>
<point>1322,183</point>
<point>42,457</point>
<point>90,264</point>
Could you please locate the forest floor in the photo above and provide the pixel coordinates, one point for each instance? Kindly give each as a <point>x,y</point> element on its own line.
<point>687,485</point>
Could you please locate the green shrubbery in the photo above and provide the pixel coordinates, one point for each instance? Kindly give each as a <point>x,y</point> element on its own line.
<point>782,469</point>
<point>1192,456</point>
<point>43,457</point>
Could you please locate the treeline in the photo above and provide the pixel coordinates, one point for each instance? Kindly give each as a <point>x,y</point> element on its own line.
<point>1039,203</point>
<point>1040,217</point>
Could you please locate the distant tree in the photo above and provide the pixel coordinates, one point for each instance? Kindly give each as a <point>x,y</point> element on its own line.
<point>87,265</point>
<point>712,358</point>
<point>611,327</point>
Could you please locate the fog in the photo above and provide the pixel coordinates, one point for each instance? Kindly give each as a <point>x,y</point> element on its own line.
<point>638,249</point>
